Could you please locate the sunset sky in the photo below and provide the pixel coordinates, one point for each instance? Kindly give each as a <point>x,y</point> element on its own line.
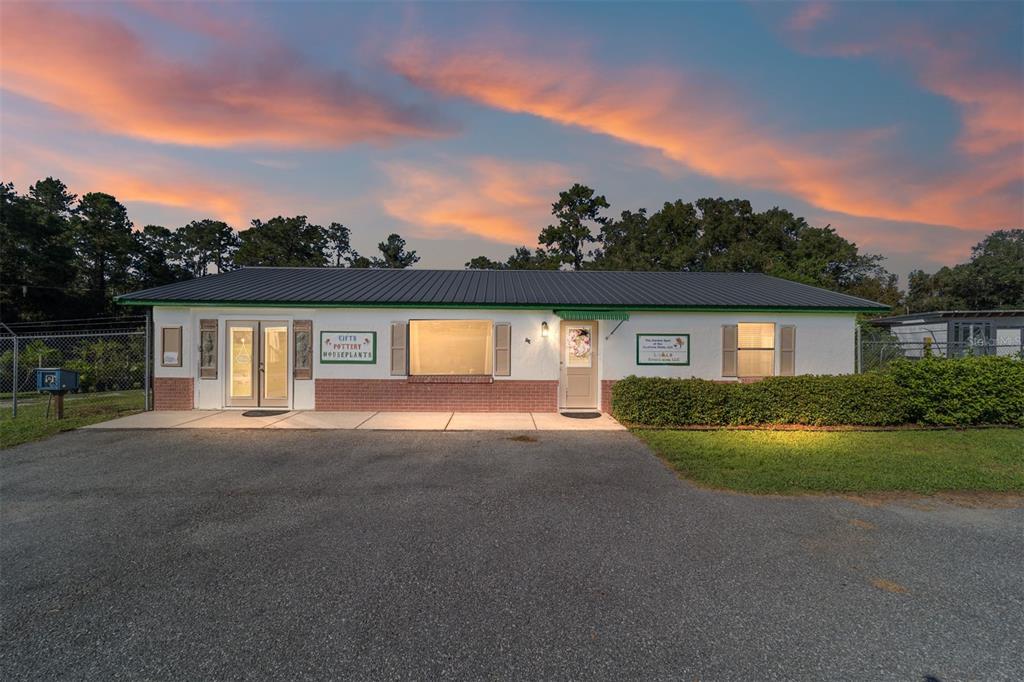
<point>455,125</point>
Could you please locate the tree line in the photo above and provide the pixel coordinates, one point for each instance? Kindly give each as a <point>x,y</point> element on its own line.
<point>728,235</point>
<point>63,256</point>
<point>993,278</point>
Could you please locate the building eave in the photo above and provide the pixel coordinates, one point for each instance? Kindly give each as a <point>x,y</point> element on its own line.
<point>489,306</point>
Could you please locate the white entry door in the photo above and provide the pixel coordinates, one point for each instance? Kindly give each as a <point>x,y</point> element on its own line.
<point>578,385</point>
<point>257,360</point>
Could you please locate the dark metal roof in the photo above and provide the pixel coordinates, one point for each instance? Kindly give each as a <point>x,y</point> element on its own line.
<point>935,315</point>
<point>497,288</point>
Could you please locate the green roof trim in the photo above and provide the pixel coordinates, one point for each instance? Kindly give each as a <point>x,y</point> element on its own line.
<point>593,314</point>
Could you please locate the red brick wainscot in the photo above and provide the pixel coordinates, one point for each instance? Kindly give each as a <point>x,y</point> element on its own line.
<point>444,394</point>
<point>606,395</point>
<point>172,393</point>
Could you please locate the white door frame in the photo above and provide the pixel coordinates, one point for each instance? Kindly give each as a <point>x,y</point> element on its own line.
<point>257,364</point>
<point>569,397</point>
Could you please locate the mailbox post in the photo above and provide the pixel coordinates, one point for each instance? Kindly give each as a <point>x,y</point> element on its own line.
<point>56,381</point>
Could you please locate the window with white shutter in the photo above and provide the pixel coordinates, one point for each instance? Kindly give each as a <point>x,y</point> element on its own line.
<point>729,350</point>
<point>398,349</point>
<point>502,349</point>
<point>787,350</point>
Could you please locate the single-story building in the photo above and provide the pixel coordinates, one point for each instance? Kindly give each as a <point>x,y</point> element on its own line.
<point>472,340</point>
<point>954,333</point>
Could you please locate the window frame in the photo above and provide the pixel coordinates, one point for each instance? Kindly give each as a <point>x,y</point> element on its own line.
<point>773,348</point>
<point>489,344</point>
<point>177,339</point>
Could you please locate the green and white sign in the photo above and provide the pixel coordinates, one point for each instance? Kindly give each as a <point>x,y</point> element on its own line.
<point>662,349</point>
<point>348,348</point>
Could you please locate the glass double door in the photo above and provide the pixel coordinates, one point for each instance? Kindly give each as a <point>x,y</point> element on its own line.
<point>257,364</point>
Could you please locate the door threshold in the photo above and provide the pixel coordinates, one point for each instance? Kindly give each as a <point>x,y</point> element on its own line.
<point>235,408</point>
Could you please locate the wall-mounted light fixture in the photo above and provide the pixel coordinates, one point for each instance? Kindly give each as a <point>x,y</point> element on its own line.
<point>544,329</point>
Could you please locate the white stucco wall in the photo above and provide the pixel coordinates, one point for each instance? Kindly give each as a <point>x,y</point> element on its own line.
<point>537,359</point>
<point>824,342</point>
<point>208,394</point>
<point>175,317</point>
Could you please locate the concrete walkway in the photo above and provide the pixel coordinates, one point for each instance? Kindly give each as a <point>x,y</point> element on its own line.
<point>382,421</point>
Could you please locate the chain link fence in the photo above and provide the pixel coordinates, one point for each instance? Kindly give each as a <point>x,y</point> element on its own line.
<point>110,355</point>
<point>876,353</point>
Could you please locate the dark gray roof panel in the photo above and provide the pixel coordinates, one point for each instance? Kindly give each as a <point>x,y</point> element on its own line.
<point>541,288</point>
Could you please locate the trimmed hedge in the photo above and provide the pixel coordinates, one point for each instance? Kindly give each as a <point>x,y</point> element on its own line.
<point>970,391</point>
<point>963,392</point>
<point>866,399</point>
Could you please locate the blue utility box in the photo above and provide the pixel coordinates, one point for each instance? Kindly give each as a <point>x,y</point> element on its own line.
<point>56,380</point>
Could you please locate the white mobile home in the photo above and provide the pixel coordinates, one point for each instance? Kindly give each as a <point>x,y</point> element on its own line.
<point>468,340</point>
<point>953,333</point>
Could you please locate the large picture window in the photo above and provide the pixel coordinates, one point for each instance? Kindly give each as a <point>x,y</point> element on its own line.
<point>462,347</point>
<point>755,349</point>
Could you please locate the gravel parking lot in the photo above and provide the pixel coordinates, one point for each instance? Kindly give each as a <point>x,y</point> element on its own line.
<point>315,554</point>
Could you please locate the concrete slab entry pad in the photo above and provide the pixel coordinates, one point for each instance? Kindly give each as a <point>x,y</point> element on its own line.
<point>392,421</point>
<point>232,419</point>
<point>491,421</point>
<point>552,421</point>
<point>408,421</point>
<point>322,420</point>
<point>163,419</point>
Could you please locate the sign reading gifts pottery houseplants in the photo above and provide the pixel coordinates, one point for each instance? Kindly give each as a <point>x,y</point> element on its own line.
<point>662,349</point>
<point>346,348</point>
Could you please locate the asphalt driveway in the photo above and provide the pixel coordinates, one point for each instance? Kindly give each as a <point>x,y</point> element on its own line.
<point>313,554</point>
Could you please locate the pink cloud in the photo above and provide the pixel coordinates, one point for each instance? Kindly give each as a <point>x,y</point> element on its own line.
<point>808,15</point>
<point>949,60</point>
<point>501,201</point>
<point>202,18</point>
<point>130,178</point>
<point>713,132</point>
<point>98,69</point>
<point>902,242</point>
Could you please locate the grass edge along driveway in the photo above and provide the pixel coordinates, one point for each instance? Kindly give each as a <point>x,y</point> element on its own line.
<point>80,409</point>
<point>791,462</point>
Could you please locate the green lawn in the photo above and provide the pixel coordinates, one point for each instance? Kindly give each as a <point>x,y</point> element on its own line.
<point>79,410</point>
<point>926,462</point>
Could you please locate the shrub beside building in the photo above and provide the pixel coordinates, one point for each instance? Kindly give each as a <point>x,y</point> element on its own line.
<point>931,391</point>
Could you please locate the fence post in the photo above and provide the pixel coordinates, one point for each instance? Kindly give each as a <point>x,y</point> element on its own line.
<point>149,356</point>
<point>857,349</point>
<point>16,382</point>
